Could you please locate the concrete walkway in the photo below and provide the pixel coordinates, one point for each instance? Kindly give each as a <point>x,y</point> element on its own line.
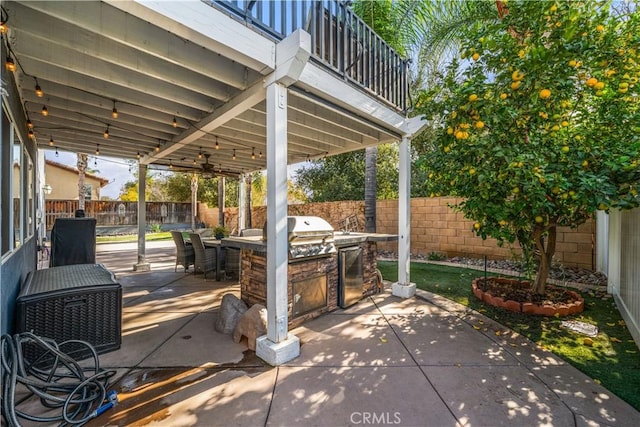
<point>425,361</point>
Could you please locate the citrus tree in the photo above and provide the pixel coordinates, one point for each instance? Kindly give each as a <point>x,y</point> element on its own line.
<point>538,122</point>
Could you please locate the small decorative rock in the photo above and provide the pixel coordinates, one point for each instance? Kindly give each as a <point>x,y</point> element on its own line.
<point>231,309</point>
<point>252,324</point>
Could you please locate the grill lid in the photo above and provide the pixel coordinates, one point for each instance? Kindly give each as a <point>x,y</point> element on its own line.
<point>308,236</point>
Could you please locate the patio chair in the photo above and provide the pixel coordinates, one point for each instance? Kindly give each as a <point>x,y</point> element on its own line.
<point>205,257</point>
<point>185,254</point>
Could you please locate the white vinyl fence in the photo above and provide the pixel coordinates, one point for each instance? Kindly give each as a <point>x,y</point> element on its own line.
<point>624,266</point>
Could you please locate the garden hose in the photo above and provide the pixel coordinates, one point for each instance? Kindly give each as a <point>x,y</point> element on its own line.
<point>62,384</point>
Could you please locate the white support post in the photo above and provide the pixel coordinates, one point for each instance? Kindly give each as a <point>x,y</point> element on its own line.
<point>142,264</point>
<point>242,201</point>
<point>403,287</point>
<point>278,346</point>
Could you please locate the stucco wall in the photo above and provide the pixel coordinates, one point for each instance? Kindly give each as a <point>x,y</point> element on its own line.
<point>434,228</point>
<point>64,184</point>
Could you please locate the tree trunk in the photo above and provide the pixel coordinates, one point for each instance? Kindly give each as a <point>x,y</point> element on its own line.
<point>247,204</point>
<point>370,189</point>
<point>546,255</point>
<point>221,200</point>
<point>194,200</point>
<point>82,167</point>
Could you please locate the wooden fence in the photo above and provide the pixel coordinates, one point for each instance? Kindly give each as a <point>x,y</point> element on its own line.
<point>119,213</point>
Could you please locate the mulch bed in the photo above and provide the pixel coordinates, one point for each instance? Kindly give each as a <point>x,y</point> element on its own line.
<point>522,293</point>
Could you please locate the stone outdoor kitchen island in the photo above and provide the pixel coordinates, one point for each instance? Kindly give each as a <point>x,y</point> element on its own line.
<point>326,270</point>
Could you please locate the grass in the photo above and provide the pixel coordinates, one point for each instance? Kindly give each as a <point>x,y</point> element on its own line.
<point>149,237</point>
<point>613,360</point>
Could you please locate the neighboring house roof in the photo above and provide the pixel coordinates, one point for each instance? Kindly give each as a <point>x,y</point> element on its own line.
<point>103,181</point>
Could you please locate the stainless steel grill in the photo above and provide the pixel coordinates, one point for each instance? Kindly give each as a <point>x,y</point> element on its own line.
<point>308,236</point>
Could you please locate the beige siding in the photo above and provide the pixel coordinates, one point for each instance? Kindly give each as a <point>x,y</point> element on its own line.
<point>64,184</point>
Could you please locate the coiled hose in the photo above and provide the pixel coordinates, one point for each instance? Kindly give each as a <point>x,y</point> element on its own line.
<point>54,377</point>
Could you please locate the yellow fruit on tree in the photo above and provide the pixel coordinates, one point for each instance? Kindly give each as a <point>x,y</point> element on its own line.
<point>459,134</point>
<point>553,8</point>
<point>602,207</point>
<point>600,28</point>
<point>515,85</point>
<point>555,190</point>
<point>592,81</point>
<point>565,149</point>
<point>515,190</point>
<point>503,96</point>
<point>599,86</point>
<point>476,56</point>
<point>517,76</point>
<point>472,171</point>
<point>447,149</point>
<point>476,226</point>
<point>539,219</point>
<point>555,128</point>
<point>564,123</point>
<point>585,163</point>
<point>449,131</point>
<point>502,222</point>
<point>473,97</point>
<point>572,63</point>
<point>542,180</point>
<point>479,124</point>
<point>545,93</point>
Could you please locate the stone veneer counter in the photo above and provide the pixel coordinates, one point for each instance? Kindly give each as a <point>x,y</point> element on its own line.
<point>318,273</point>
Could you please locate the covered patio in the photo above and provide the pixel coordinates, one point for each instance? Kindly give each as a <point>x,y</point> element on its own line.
<point>386,360</point>
<point>217,88</point>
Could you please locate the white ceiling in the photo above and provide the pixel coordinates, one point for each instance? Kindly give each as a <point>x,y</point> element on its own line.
<point>91,56</point>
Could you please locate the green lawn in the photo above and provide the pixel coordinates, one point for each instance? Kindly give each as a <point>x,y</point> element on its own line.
<point>149,237</point>
<point>613,359</point>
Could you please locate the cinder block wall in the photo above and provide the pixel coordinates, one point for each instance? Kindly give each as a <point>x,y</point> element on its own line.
<point>435,227</point>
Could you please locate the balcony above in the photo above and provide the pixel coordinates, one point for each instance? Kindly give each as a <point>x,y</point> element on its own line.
<point>179,84</point>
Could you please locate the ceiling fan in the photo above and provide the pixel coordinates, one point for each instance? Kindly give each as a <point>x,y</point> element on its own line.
<point>207,168</point>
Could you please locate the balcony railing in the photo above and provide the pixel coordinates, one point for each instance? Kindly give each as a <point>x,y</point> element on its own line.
<point>339,39</point>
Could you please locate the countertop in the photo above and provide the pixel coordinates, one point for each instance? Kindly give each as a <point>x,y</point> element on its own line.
<point>341,239</point>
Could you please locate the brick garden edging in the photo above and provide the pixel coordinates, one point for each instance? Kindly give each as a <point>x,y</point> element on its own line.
<point>527,307</point>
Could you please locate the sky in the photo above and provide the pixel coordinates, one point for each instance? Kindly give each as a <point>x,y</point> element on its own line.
<point>113,169</point>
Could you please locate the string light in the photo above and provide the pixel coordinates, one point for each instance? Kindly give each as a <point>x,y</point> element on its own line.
<point>97,149</point>
<point>9,64</point>
<point>31,134</point>
<point>157,148</point>
<point>200,153</point>
<point>29,124</point>
<point>170,164</point>
<point>114,112</point>
<point>3,22</point>
<point>45,112</point>
<point>51,142</point>
<point>39,92</point>
<point>253,153</point>
<point>234,154</point>
<point>106,133</point>
<point>195,162</point>
<point>217,146</point>
<point>175,122</point>
<point>138,155</point>
<point>260,154</point>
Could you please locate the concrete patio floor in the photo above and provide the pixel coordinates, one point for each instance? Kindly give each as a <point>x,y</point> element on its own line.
<point>425,361</point>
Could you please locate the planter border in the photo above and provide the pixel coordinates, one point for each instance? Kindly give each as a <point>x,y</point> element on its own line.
<point>528,308</point>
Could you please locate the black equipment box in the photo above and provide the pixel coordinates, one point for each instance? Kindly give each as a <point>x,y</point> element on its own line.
<point>72,302</point>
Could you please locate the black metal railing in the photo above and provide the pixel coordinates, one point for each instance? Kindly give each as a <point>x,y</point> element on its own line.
<point>339,39</point>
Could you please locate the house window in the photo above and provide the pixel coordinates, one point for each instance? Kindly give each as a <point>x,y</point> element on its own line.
<point>87,191</point>
<point>17,185</point>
